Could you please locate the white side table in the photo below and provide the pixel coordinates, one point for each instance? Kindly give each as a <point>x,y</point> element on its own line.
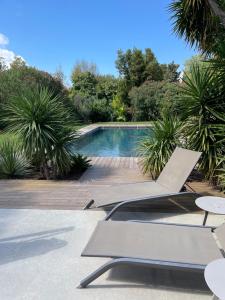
<point>215,278</point>
<point>211,204</point>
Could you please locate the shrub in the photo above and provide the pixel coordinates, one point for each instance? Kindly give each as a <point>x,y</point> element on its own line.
<point>13,161</point>
<point>156,149</point>
<point>91,109</point>
<point>118,109</point>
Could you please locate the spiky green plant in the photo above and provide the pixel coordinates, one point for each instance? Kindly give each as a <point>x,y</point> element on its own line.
<point>13,161</point>
<point>202,106</point>
<point>156,149</point>
<point>61,155</point>
<point>80,163</point>
<point>43,123</point>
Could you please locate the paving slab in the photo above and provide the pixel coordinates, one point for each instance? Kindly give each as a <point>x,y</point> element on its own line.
<point>40,259</point>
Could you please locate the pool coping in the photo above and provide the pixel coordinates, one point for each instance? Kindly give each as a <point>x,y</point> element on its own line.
<point>94,127</point>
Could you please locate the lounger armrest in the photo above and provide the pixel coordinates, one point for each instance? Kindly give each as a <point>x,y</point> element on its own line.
<point>139,200</point>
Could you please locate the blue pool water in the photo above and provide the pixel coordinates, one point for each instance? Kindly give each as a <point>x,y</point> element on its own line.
<point>111,142</point>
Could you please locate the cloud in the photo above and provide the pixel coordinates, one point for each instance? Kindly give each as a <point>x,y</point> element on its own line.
<point>6,55</point>
<point>3,40</point>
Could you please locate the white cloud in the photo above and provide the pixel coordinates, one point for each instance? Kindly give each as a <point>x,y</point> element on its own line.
<point>3,40</point>
<point>8,56</point>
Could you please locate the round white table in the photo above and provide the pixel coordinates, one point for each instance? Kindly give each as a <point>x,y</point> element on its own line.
<point>215,277</point>
<point>211,204</point>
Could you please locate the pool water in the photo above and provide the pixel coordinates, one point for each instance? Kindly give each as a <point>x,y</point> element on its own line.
<point>111,142</point>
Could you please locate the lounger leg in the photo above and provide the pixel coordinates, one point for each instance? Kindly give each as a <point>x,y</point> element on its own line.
<point>98,273</point>
<point>205,217</point>
<point>90,203</point>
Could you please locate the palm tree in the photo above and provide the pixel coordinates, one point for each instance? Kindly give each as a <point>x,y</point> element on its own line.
<point>200,22</point>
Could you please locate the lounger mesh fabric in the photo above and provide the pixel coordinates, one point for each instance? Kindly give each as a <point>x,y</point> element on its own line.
<point>220,233</point>
<point>153,241</point>
<point>171,180</point>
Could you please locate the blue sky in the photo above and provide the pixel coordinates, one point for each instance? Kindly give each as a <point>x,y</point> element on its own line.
<point>49,33</point>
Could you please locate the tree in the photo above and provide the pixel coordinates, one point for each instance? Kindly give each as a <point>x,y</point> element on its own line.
<point>84,84</point>
<point>83,66</point>
<point>18,63</point>
<point>107,87</point>
<point>170,72</point>
<point>135,67</point>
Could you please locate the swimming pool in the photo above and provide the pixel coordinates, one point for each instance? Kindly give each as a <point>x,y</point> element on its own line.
<point>111,142</point>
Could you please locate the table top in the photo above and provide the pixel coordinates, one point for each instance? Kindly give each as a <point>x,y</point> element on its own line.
<point>211,204</point>
<point>215,277</point>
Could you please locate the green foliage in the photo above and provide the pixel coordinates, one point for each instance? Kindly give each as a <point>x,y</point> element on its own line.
<point>135,67</point>
<point>92,109</point>
<point>203,108</point>
<point>118,109</point>
<point>170,72</point>
<point>20,77</point>
<point>107,87</point>
<point>152,99</point>
<point>144,101</point>
<point>84,84</point>
<point>80,163</point>
<point>44,125</point>
<point>13,161</point>
<point>156,149</point>
<point>100,111</point>
<point>83,66</point>
<point>197,22</point>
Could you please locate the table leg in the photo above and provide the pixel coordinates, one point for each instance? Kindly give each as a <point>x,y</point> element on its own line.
<point>205,217</point>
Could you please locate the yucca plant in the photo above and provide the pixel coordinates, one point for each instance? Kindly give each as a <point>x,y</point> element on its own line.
<point>156,149</point>
<point>80,163</point>
<point>202,106</point>
<point>13,161</point>
<point>43,123</point>
<point>61,154</point>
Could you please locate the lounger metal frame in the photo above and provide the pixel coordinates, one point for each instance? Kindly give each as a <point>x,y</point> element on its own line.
<point>151,199</point>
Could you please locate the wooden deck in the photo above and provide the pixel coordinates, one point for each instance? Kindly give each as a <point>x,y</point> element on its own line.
<point>75,194</point>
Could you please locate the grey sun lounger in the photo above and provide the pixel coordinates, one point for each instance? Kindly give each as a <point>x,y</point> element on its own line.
<point>156,245</point>
<point>170,181</point>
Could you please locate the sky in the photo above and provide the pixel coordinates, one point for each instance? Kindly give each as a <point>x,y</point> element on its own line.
<point>49,34</point>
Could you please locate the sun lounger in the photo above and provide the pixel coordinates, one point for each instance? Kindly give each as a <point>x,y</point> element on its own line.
<point>170,182</point>
<point>156,245</point>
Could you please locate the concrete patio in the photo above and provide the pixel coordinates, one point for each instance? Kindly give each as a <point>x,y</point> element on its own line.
<point>40,259</point>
